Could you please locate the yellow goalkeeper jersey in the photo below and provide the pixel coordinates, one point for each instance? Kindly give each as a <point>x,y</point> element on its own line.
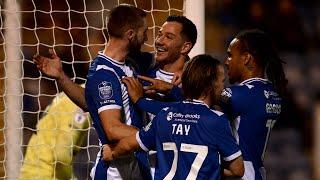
<point>59,135</point>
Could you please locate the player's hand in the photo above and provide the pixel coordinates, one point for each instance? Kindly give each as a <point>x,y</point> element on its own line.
<point>51,67</point>
<point>106,153</point>
<point>134,87</point>
<point>156,85</point>
<point>176,80</point>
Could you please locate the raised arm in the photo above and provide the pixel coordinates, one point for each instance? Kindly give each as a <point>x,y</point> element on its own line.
<point>52,67</point>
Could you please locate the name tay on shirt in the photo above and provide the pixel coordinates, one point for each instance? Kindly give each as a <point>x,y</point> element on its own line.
<point>180,129</point>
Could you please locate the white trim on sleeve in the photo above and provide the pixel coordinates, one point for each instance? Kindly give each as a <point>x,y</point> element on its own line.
<point>107,107</point>
<point>140,142</point>
<point>233,156</point>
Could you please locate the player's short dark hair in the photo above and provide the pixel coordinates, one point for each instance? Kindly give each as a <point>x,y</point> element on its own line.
<point>189,29</point>
<point>199,75</point>
<point>259,45</point>
<point>124,17</point>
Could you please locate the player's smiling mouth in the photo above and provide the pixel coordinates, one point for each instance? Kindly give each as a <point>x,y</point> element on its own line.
<point>160,49</point>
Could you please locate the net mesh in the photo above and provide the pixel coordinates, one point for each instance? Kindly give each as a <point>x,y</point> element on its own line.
<point>74,28</point>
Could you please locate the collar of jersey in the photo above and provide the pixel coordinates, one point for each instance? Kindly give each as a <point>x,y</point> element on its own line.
<point>196,101</point>
<point>254,79</point>
<point>114,62</point>
<point>166,73</point>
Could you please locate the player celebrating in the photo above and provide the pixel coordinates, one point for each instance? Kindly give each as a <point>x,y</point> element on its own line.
<point>108,103</point>
<point>189,137</point>
<point>254,103</point>
<point>60,133</point>
<point>173,42</point>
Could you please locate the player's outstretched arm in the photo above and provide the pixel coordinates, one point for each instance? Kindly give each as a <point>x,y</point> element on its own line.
<point>52,67</point>
<point>235,168</point>
<point>124,147</point>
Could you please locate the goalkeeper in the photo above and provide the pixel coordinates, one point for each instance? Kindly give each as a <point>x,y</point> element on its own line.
<point>59,135</point>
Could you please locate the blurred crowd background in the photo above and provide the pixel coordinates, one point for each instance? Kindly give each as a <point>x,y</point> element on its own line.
<point>294,26</point>
<point>75,30</point>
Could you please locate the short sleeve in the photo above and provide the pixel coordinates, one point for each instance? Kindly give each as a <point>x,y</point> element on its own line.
<point>104,89</point>
<point>224,140</point>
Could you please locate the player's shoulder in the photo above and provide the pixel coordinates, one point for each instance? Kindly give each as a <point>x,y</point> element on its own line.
<point>232,93</point>
<point>103,73</point>
<point>255,84</point>
<point>214,119</point>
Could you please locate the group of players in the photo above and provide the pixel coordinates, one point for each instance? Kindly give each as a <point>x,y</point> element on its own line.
<point>195,128</point>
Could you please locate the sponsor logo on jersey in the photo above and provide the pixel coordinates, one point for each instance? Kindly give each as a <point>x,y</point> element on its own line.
<point>267,94</point>
<point>169,116</point>
<point>105,90</point>
<point>273,108</point>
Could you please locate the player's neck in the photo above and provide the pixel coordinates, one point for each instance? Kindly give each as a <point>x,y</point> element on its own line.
<point>116,49</point>
<point>175,66</point>
<point>255,73</point>
<point>206,100</point>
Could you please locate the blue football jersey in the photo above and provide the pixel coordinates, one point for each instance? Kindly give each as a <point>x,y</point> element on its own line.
<point>189,139</point>
<point>104,90</point>
<point>254,107</point>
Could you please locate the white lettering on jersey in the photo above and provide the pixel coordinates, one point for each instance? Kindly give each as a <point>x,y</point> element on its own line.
<point>180,129</point>
<point>273,108</point>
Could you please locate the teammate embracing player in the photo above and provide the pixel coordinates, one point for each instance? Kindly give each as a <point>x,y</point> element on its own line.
<point>188,136</point>
<point>254,104</point>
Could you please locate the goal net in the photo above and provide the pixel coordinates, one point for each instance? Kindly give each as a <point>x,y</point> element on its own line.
<point>74,28</point>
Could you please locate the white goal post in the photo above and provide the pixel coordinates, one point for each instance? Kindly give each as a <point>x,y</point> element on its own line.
<point>18,43</point>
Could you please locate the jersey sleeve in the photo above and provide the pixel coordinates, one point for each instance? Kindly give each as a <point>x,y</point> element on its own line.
<point>104,88</point>
<point>224,140</point>
<point>147,136</point>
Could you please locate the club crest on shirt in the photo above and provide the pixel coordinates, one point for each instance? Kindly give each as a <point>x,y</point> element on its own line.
<point>105,90</point>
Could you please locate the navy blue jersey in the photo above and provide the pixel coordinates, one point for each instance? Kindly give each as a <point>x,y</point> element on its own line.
<point>157,73</point>
<point>104,91</point>
<point>254,107</point>
<point>189,139</point>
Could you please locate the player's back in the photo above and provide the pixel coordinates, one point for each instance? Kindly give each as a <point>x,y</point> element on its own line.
<point>255,106</point>
<point>189,140</point>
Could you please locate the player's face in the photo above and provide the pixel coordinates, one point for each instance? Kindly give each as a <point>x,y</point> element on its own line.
<point>169,42</point>
<point>234,62</point>
<point>219,84</point>
<point>140,36</point>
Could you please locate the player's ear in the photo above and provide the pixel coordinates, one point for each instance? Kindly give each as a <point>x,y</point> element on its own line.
<point>186,47</point>
<point>129,34</point>
<point>247,58</point>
